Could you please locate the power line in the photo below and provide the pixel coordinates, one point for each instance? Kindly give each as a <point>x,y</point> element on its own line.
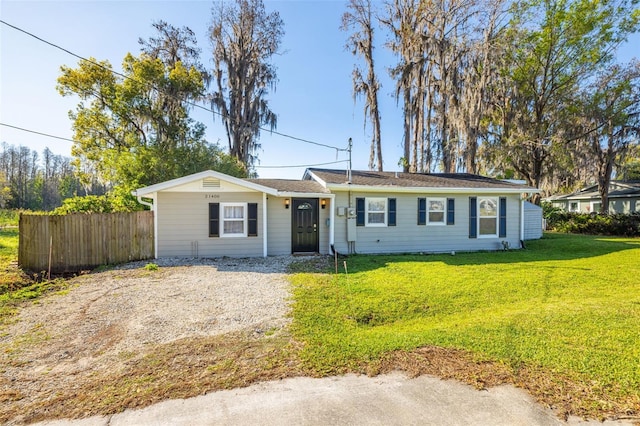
<point>257,167</point>
<point>37,133</point>
<point>301,165</point>
<point>159,90</point>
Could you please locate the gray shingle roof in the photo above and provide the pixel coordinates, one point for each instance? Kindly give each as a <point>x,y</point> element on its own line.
<point>417,180</point>
<point>291,185</point>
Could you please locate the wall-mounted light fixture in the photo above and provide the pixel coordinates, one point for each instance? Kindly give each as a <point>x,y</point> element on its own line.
<point>286,203</point>
<point>323,203</point>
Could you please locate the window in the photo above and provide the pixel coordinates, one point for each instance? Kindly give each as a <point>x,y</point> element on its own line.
<point>376,212</point>
<point>233,219</point>
<point>436,211</point>
<point>488,217</point>
<point>574,206</point>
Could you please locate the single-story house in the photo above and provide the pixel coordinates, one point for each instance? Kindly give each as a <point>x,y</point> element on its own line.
<point>210,214</point>
<point>624,197</point>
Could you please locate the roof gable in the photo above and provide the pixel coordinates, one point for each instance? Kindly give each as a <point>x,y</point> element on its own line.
<point>204,181</point>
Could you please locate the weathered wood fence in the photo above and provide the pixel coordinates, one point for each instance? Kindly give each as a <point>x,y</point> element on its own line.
<point>74,242</point>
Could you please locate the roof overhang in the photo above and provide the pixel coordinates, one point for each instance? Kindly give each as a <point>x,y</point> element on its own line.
<point>287,194</point>
<point>431,190</point>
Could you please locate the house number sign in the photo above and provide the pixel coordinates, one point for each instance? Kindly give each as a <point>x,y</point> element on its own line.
<point>211,196</point>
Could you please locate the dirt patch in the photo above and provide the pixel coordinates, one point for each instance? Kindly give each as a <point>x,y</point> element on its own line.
<point>112,326</point>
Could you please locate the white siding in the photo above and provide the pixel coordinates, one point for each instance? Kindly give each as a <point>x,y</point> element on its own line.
<point>279,227</point>
<point>409,237</point>
<point>532,221</point>
<point>183,225</point>
<point>324,226</point>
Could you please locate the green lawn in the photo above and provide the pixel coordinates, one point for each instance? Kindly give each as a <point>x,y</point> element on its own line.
<point>15,285</point>
<point>568,305</point>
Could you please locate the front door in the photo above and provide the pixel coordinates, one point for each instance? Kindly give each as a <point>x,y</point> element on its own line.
<point>304,225</point>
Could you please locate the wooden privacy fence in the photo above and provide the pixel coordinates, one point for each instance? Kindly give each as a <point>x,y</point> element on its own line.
<point>74,242</point>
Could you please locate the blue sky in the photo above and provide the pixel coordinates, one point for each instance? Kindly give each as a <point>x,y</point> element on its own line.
<point>313,99</point>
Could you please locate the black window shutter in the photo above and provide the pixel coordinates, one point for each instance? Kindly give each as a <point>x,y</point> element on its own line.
<point>422,211</point>
<point>473,217</point>
<point>253,219</point>
<point>502,226</point>
<point>359,211</point>
<point>392,212</point>
<point>451,211</point>
<point>214,219</point>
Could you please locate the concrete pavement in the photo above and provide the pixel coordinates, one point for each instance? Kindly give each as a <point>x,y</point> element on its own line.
<point>391,399</point>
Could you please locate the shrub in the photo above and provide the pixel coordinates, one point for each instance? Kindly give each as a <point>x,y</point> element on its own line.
<point>626,225</point>
<point>98,204</point>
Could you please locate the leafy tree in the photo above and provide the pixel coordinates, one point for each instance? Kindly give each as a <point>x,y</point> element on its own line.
<point>612,120</point>
<point>358,18</point>
<point>630,170</point>
<point>244,38</point>
<point>133,129</point>
<point>552,47</point>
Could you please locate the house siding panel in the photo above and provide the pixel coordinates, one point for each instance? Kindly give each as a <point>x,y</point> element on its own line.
<point>532,221</point>
<point>407,236</point>
<point>183,226</point>
<point>279,227</point>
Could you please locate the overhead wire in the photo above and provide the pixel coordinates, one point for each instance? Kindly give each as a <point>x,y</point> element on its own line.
<point>301,165</point>
<point>337,149</point>
<point>36,132</point>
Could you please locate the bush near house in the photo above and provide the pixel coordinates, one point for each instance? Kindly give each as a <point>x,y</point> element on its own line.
<point>625,225</point>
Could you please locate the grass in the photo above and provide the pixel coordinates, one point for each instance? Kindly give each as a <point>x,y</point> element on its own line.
<point>559,319</point>
<point>15,285</point>
<point>564,312</point>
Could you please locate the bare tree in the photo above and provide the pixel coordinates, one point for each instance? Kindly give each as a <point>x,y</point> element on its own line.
<point>403,21</point>
<point>444,51</point>
<point>358,18</point>
<point>244,37</point>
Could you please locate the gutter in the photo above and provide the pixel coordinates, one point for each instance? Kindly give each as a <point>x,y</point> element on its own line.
<point>431,190</point>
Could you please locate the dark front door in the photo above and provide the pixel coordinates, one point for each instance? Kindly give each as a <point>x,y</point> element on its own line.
<point>304,225</point>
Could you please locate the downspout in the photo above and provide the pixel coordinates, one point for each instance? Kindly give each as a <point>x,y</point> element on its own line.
<point>144,203</point>
<point>264,225</point>
<point>332,227</point>
<point>152,207</point>
<point>522,198</point>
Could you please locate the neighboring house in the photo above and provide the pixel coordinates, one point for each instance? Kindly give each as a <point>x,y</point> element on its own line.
<point>624,197</point>
<point>210,214</point>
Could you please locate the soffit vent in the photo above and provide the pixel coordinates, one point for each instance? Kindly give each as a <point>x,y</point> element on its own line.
<point>210,183</point>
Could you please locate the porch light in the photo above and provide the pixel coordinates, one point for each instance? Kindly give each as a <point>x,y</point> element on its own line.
<point>286,203</point>
<point>323,203</point>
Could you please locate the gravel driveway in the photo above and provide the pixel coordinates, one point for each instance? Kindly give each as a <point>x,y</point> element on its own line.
<point>107,315</point>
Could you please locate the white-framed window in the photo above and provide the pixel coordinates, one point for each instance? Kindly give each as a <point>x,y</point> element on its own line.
<point>574,206</point>
<point>436,211</point>
<point>487,217</point>
<point>233,219</point>
<point>376,211</point>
